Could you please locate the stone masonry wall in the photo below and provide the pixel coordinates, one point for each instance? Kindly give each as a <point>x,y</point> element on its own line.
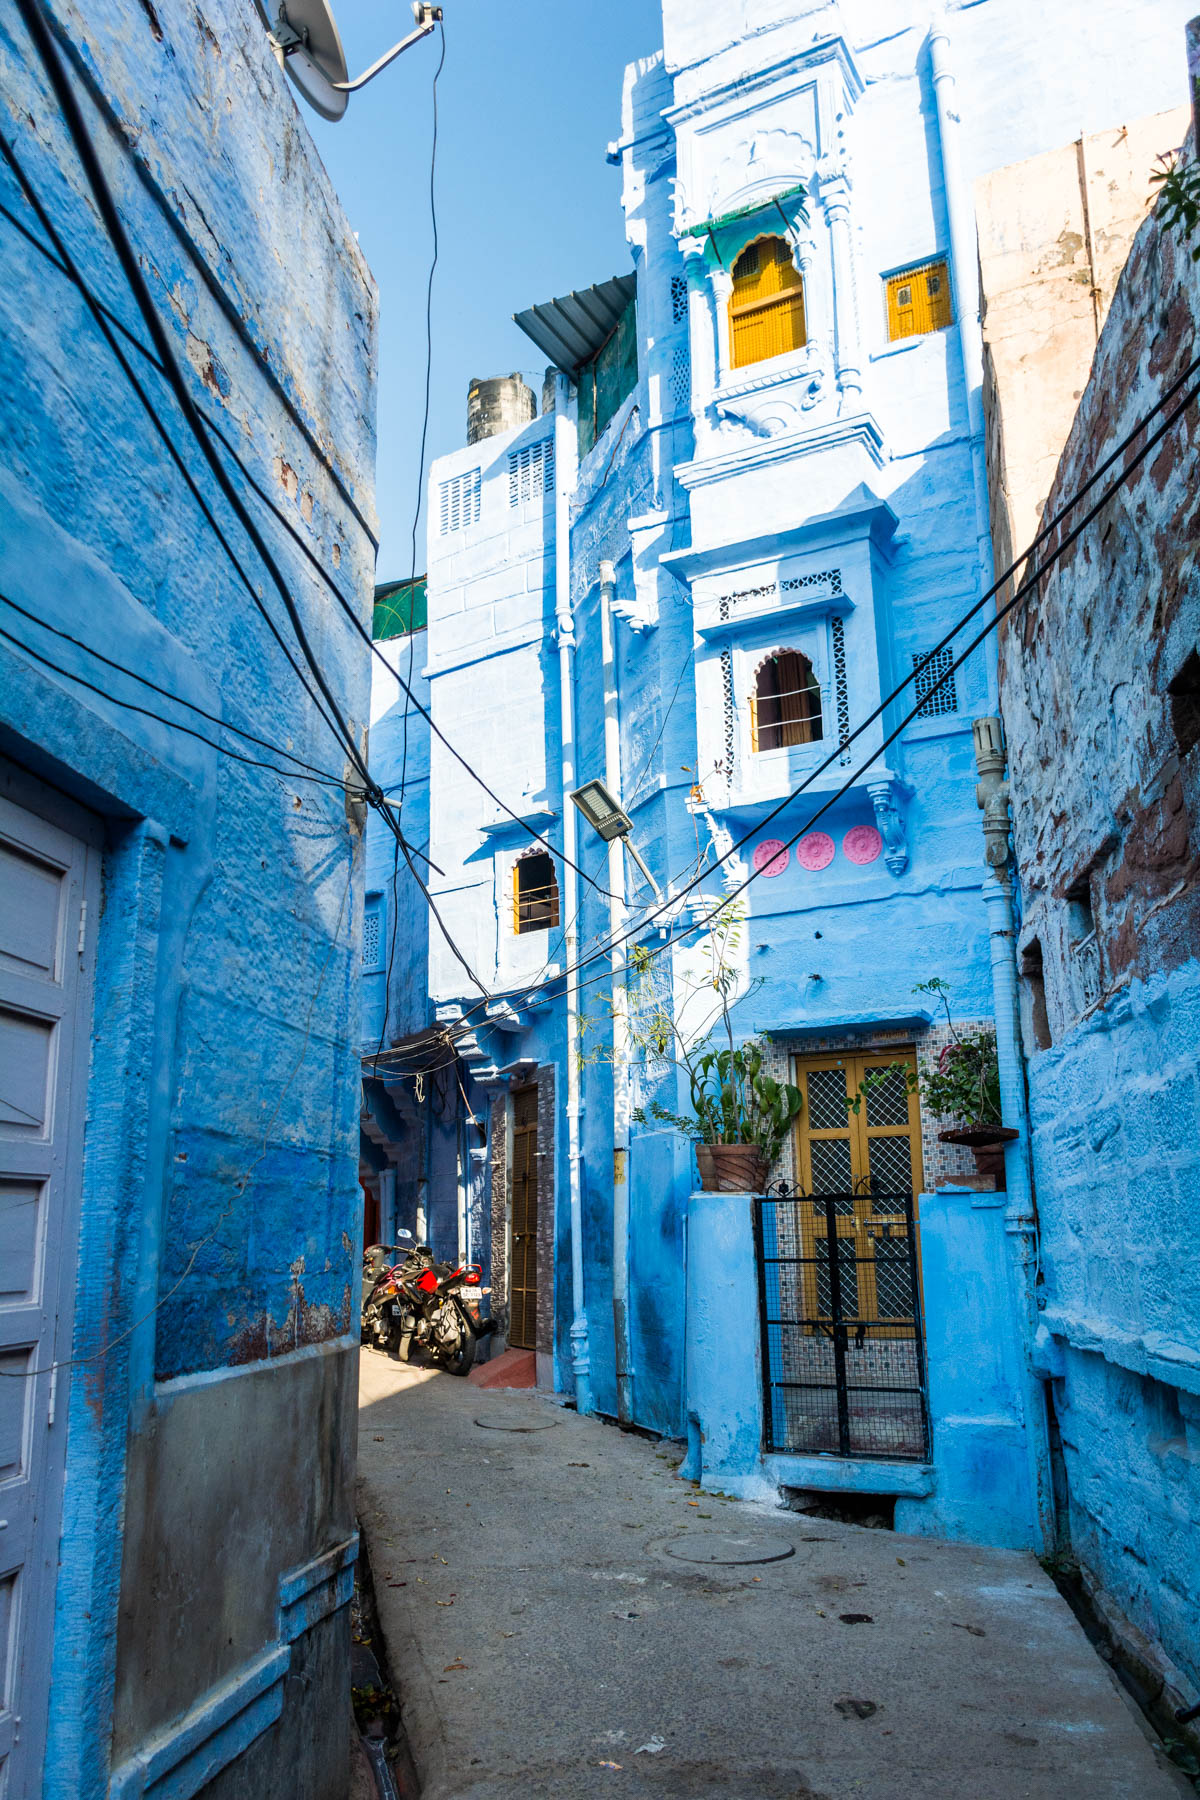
<point>1100,693</point>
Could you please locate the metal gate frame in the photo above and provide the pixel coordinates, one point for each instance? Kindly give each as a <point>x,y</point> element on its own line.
<point>825,1311</point>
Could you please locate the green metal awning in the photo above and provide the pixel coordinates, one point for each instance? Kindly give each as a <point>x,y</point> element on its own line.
<point>570,330</point>
<point>747,212</point>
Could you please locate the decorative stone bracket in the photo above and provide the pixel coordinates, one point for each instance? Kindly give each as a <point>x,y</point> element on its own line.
<point>886,800</point>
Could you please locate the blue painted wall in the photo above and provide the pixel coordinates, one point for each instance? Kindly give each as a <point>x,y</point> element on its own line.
<point>217,1257</point>
<point>859,457</point>
<point>1105,776</point>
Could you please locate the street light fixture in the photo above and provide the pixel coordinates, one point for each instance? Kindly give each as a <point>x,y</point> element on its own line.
<point>609,820</point>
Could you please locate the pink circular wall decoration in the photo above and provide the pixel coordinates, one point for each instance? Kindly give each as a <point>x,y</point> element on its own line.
<point>862,844</point>
<point>770,857</point>
<point>815,851</point>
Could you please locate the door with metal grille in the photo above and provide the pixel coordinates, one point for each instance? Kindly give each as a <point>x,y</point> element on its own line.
<point>522,1296</point>
<point>871,1158</point>
<point>843,1357</point>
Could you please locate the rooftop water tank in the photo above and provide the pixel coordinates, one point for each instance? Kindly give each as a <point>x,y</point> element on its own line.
<point>498,404</point>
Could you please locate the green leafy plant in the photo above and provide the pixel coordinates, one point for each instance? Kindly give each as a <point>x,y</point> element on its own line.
<point>877,1078</point>
<point>1178,200</point>
<point>734,1100</point>
<point>966,1082</point>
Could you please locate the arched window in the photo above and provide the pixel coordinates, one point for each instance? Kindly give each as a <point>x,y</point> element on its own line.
<point>535,893</point>
<point>766,307</point>
<point>785,707</point>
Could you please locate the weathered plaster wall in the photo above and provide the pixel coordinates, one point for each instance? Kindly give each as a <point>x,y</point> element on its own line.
<point>1054,234</point>
<point>218,1248</point>
<point>1105,777</point>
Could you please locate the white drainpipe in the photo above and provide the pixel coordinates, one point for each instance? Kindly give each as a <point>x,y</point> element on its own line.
<point>564,619</point>
<point>1020,1218</point>
<point>620,1012</point>
<point>964,279</point>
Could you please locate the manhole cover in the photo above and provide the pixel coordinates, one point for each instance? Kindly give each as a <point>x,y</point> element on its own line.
<point>713,1548</point>
<point>503,1424</point>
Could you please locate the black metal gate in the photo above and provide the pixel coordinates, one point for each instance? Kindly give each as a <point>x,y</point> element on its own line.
<point>842,1346</point>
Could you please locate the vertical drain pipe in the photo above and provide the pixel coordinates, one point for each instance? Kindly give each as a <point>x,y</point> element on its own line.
<point>564,620</point>
<point>964,281</point>
<point>1020,1220</point>
<point>617,913</point>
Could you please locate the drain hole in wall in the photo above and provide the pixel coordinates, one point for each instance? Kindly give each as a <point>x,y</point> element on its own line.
<point>876,1511</point>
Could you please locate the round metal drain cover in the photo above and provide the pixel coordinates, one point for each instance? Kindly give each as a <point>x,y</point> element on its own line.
<point>500,1423</point>
<point>710,1547</point>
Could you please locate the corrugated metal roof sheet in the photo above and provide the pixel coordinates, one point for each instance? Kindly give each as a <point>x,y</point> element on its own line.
<point>571,329</point>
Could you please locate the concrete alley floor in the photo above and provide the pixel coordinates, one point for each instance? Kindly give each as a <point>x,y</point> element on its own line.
<point>548,1640</point>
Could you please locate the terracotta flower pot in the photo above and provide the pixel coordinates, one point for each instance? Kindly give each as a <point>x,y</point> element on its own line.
<point>731,1168</point>
<point>986,1143</point>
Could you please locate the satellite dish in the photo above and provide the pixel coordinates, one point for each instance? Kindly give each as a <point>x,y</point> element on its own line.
<point>308,48</point>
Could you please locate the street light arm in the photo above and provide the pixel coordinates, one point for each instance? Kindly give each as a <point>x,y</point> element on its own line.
<point>632,849</point>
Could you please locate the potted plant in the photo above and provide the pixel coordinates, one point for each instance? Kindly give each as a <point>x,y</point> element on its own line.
<point>740,1115</point>
<point>965,1086</point>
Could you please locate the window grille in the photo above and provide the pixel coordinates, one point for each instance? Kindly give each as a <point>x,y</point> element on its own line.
<point>371,938</point>
<point>459,501</point>
<point>678,299</point>
<point>831,577</point>
<point>530,471</point>
<point>681,387</point>
<point>841,690</point>
<point>933,702</point>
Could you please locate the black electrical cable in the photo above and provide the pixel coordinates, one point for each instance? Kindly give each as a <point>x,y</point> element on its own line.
<point>387,979</point>
<point>178,700</point>
<point>174,216</point>
<point>68,268</point>
<point>412,578</point>
<point>385,814</point>
<point>332,781</point>
<point>101,316</point>
<point>1025,587</point>
<point>35,23</point>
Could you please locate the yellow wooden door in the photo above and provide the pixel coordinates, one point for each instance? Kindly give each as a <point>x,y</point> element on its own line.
<point>870,1159</point>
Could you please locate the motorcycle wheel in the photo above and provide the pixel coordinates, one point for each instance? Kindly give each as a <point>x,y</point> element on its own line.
<point>404,1346</point>
<point>459,1360</point>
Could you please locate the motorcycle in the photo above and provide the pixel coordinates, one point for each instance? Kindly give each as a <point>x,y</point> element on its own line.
<point>419,1303</point>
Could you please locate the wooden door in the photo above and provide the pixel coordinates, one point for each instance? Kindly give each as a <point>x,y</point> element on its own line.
<point>522,1287</point>
<point>49,890</point>
<point>868,1157</point>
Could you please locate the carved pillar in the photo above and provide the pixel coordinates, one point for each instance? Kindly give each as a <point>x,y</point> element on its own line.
<point>721,283</point>
<point>835,200</point>
<point>700,351</point>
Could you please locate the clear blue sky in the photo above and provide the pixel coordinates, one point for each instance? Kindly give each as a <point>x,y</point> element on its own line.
<point>527,206</point>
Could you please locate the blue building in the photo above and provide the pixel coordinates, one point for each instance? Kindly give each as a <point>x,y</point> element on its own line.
<point>754,501</point>
<point>180,904</point>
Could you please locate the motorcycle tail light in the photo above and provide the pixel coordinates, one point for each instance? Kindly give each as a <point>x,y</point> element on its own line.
<point>471,1278</point>
<point>427,1282</point>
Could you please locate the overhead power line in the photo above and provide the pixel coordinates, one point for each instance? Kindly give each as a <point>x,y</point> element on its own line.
<point>48,55</point>
<point>146,712</point>
<point>177,699</point>
<point>108,323</point>
<point>670,904</point>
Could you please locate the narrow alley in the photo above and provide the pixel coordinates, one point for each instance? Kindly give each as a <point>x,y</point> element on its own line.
<point>563,1616</point>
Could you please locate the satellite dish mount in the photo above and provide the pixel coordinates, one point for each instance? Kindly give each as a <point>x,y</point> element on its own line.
<point>307,46</point>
